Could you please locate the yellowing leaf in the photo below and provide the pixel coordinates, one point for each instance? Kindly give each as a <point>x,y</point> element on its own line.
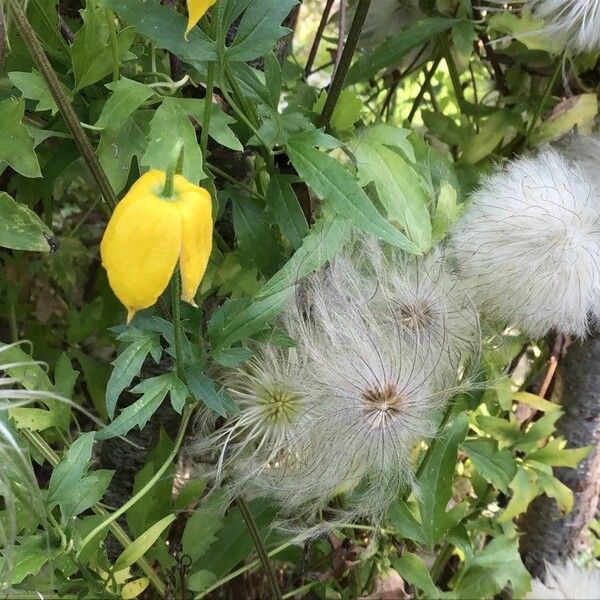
<point>535,401</point>
<point>134,588</point>
<point>196,10</point>
<point>577,111</point>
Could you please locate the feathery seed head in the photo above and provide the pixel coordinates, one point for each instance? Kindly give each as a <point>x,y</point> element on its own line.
<point>563,582</point>
<point>528,245</point>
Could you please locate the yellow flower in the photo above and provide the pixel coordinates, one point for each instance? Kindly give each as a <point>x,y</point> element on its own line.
<point>196,10</point>
<point>148,233</point>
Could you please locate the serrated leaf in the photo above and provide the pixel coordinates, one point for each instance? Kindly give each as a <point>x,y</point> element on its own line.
<point>16,145</point>
<point>128,365</point>
<point>142,544</point>
<point>201,527</point>
<point>334,183</point>
<point>259,29</point>
<point>556,489</point>
<point>153,391</point>
<point>33,87</point>
<point>257,244</point>
<point>166,28</point>
<point>169,126</point>
<point>91,51</point>
<point>525,487</point>
<point>127,96</point>
<point>555,454</point>
<point>203,388</point>
<point>394,48</point>
<point>21,228</point>
<point>435,482</point>
<point>381,157</point>
<point>498,467</point>
<point>491,569</point>
<point>25,558</point>
<point>287,213</point>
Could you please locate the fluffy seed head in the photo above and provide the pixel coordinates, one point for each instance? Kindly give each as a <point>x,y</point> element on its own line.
<point>528,246</point>
<point>567,582</point>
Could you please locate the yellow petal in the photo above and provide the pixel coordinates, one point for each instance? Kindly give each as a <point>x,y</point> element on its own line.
<point>197,228</point>
<point>141,244</point>
<point>196,10</point>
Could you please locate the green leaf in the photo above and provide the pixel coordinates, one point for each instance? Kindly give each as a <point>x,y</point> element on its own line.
<point>556,489</point>
<point>348,109</point>
<point>491,569</point>
<point>204,389</point>
<point>506,432</point>
<point>25,558</point>
<point>259,29</point>
<point>21,228</point>
<point>31,376</point>
<point>166,28</point>
<point>153,391</point>
<point>157,502</point>
<point>16,145</point>
<point>447,211</point>
<point>128,365</point>
<point>394,48</point>
<point>283,205</point>
<point>169,126</point>
<point>435,482</point>
<point>33,87</point>
<point>127,96</point>
<point>257,244</point>
<point>491,132</point>
<point>498,467</point>
<point>538,431</point>
<point>405,523</point>
<point>334,183</point>
<point>555,454</point>
<point>412,569</point>
<point>134,588</point>
<point>525,487</point>
<point>91,51</point>
<point>141,545</point>
<point>70,487</point>
<point>201,527</point>
<point>117,148</point>
<point>382,158</point>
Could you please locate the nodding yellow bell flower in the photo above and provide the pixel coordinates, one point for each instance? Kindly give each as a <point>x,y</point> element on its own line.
<point>196,10</point>
<point>149,233</point>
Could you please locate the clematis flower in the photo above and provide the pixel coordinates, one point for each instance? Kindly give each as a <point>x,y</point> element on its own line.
<point>196,10</point>
<point>148,234</point>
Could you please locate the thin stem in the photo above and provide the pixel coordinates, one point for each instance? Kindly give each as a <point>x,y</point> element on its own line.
<point>431,447</point>
<point>540,107</point>
<point>114,45</point>
<point>260,548</point>
<point>302,588</point>
<point>240,571</point>
<point>41,446</point>
<point>41,60</point>
<point>177,327</point>
<point>12,319</point>
<point>174,168</point>
<point>339,77</point>
<point>310,61</point>
<point>454,76</point>
<point>341,32</point>
<point>234,181</point>
<point>210,85</point>
<point>428,76</point>
<point>185,419</point>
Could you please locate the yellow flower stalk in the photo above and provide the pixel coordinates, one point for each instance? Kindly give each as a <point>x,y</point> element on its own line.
<point>196,10</point>
<point>149,233</point>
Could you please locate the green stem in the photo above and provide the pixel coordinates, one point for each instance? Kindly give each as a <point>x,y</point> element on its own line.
<point>234,181</point>
<point>303,588</point>
<point>454,76</point>
<point>114,45</point>
<point>433,443</point>
<point>210,86</point>
<point>260,548</point>
<point>540,107</point>
<point>339,77</point>
<point>41,446</point>
<point>174,167</point>
<point>240,571</point>
<point>177,327</point>
<point>185,419</point>
<point>41,60</point>
<point>12,319</point>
